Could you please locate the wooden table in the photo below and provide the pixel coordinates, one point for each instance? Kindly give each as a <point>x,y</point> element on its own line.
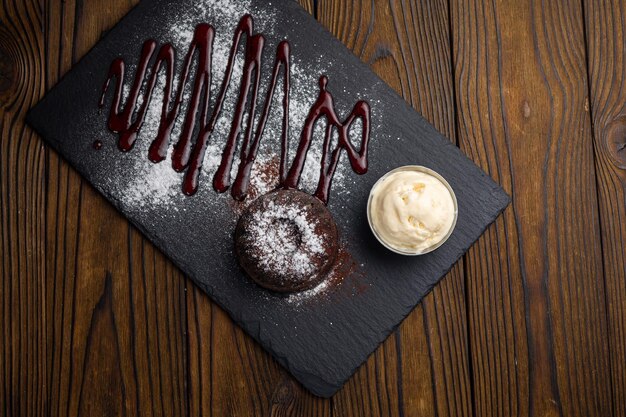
<point>94,321</point>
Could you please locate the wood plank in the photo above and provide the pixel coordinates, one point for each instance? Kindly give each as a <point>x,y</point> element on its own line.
<point>95,303</point>
<point>117,307</point>
<point>423,368</point>
<point>607,75</point>
<point>538,332</point>
<point>22,224</point>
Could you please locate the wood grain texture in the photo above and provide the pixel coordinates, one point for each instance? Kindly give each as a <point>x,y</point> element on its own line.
<point>538,332</point>
<point>607,75</point>
<point>422,369</point>
<point>22,334</point>
<point>95,321</point>
<point>116,307</point>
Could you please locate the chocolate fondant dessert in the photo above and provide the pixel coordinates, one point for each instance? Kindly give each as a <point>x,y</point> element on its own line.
<point>286,241</point>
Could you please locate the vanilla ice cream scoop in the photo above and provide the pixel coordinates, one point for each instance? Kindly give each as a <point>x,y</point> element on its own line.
<point>412,210</point>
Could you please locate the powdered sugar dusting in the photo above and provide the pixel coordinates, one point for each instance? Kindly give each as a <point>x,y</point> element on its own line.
<point>343,267</point>
<point>277,246</point>
<point>150,183</point>
<point>264,176</point>
<point>299,297</point>
<point>158,183</point>
<point>222,13</point>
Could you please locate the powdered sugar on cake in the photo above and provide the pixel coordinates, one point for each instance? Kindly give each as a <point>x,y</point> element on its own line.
<point>278,247</point>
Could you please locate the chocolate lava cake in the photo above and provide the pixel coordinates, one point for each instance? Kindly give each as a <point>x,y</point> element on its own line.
<point>286,241</point>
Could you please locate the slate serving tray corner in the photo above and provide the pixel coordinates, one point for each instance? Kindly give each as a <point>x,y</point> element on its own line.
<point>324,341</point>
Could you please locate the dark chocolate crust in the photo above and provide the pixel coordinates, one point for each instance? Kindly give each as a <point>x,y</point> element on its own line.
<point>320,227</point>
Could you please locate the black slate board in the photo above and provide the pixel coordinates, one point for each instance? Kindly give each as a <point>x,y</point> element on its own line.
<point>323,340</point>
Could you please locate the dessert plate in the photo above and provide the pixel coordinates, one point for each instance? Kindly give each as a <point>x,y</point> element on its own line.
<point>321,336</point>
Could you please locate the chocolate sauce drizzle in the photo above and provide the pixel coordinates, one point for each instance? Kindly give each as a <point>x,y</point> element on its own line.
<point>187,157</point>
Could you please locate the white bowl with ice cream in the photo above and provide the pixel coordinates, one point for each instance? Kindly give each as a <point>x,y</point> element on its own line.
<point>412,210</point>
